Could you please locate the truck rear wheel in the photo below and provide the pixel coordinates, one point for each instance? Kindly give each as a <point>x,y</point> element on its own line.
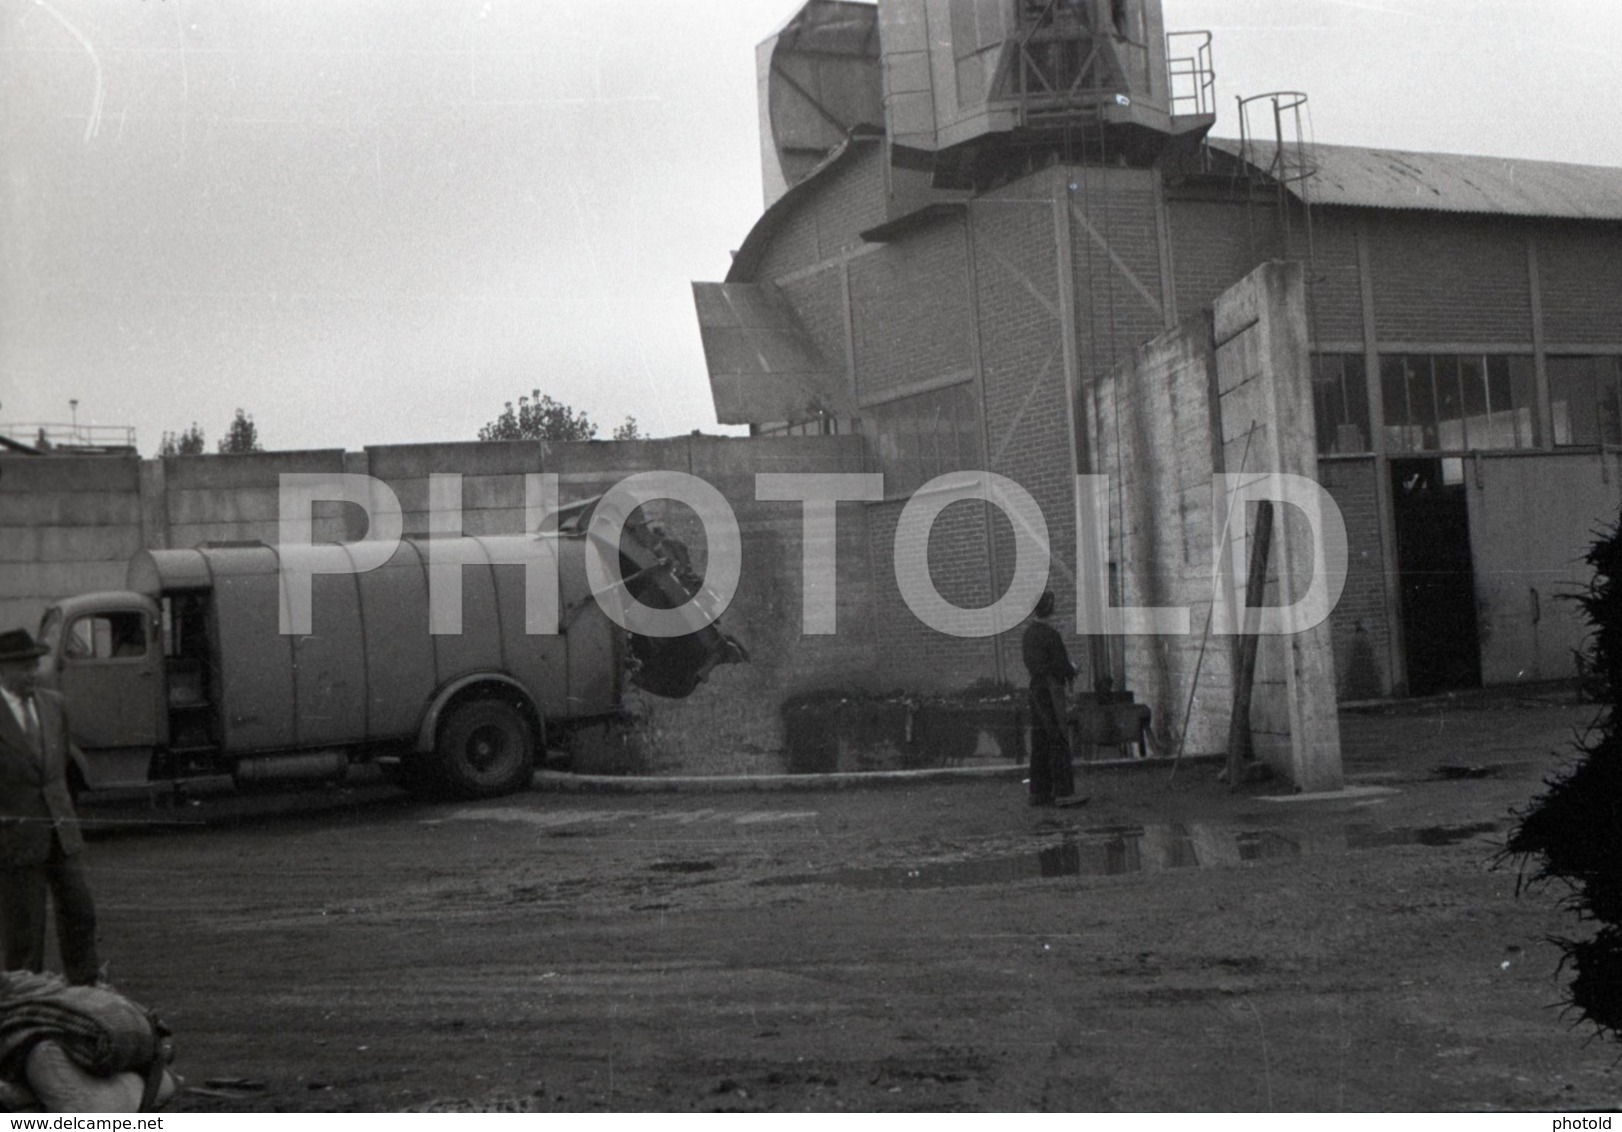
<point>485,749</point>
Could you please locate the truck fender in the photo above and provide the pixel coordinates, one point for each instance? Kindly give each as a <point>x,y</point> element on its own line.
<point>428,733</point>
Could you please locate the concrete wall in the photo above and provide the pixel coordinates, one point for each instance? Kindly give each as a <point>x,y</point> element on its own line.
<point>66,526</point>
<point>70,525</point>
<point>1224,394</point>
<point>1155,419</point>
<point>1532,520</point>
<point>1267,423</point>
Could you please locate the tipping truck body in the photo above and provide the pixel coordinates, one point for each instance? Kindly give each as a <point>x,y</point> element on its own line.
<point>186,673</point>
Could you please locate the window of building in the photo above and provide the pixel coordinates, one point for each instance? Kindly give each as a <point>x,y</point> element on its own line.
<point>925,435</point>
<point>1341,399</point>
<point>1457,402</point>
<point>1585,397</point>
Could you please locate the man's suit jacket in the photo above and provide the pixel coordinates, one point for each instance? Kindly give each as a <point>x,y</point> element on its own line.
<point>34,798</point>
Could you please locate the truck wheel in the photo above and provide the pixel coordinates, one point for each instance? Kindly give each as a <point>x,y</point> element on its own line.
<point>485,749</point>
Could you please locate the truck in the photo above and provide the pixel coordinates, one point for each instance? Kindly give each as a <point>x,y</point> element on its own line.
<point>186,673</point>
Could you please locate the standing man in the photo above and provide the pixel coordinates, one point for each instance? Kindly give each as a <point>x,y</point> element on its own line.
<point>39,832</point>
<point>1048,662</point>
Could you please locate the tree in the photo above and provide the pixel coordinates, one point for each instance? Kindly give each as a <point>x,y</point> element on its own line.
<point>188,443</point>
<point>1569,834</point>
<point>241,436</point>
<point>539,418</point>
<point>629,430</point>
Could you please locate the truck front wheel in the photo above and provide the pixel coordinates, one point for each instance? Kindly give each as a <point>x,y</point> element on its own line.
<point>485,749</point>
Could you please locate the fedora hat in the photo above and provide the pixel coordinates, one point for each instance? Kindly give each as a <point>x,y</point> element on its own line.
<point>18,644</point>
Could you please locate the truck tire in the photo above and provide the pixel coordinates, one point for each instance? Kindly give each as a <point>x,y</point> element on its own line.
<point>485,749</point>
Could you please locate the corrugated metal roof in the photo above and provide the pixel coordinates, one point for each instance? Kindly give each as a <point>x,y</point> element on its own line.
<point>1450,182</point>
<point>763,366</point>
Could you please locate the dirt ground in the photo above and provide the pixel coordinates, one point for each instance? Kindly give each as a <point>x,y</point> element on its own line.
<point>1168,946</point>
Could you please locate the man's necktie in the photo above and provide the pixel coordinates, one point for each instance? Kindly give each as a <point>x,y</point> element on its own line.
<point>30,721</point>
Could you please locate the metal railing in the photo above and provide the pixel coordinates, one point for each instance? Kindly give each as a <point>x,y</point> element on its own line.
<point>1192,76</point>
<point>50,435</point>
<point>1285,157</point>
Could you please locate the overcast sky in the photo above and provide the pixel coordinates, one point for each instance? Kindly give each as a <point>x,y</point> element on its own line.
<point>374,222</point>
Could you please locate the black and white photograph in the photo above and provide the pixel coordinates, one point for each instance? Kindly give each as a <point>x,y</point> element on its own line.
<point>832,556</point>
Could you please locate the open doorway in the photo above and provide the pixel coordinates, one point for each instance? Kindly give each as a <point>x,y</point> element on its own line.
<point>1435,576</point>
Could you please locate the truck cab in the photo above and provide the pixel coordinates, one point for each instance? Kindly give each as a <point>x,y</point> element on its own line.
<point>106,656</point>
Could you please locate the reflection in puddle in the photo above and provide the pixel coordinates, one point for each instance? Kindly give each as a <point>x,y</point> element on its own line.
<point>1119,850</point>
<point>1364,837</point>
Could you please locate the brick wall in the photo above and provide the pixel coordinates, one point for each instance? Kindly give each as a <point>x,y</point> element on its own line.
<point>819,300</point>
<point>1362,632</point>
<point>1026,405</point>
<point>829,216</point>
<point>1217,242</point>
<point>910,310</point>
<point>912,655</point>
<point>1115,249</point>
<point>1580,276</point>
<point>851,202</point>
<point>1334,291</point>
<point>1454,278</point>
<point>793,245</point>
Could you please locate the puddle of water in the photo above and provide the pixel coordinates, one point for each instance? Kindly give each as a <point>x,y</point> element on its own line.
<point>682,866</point>
<point>1122,850</point>
<point>556,819</point>
<point>1437,836</point>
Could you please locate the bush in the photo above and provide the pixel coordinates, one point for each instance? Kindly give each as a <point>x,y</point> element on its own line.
<point>1571,834</point>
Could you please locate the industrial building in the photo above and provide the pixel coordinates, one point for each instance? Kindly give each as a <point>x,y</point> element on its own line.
<point>978,211</point>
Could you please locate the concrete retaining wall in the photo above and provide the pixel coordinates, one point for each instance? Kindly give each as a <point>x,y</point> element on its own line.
<point>1222,393</point>
<point>66,526</point>
<point>70,525</point>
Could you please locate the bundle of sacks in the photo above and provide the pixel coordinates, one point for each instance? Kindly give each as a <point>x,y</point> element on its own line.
<point>79,1048</point>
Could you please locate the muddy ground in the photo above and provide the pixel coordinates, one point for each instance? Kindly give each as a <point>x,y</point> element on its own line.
<point>1167,946</point>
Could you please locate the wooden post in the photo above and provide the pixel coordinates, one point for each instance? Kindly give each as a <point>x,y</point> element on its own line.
<point>1239,746</point>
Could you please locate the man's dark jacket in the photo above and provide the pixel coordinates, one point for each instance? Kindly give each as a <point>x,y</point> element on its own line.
<point>34,798</point>
<point>1046,658</point>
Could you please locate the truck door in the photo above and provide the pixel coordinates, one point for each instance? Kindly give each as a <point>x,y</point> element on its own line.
<point>110,672</point>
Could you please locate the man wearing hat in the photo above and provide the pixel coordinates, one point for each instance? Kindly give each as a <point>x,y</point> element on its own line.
<point>39,832</point>
<point>1048,662</point>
